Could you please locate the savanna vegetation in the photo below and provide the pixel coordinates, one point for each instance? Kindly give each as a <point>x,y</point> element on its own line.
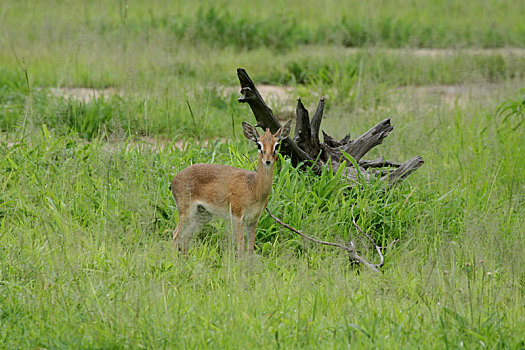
<point>102,102</point>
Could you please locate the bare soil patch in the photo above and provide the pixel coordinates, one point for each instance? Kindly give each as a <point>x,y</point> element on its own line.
<point>82,94</point>
<point>445,95</point>
<point>432,52</point>
<point>281,99</point>
<point>271,93</point>
<point>159,144</point>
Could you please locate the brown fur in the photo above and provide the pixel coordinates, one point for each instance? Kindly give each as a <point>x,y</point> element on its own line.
<point>235,194</point>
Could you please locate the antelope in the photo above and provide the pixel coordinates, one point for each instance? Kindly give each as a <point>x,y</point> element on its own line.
<point>203,190</point>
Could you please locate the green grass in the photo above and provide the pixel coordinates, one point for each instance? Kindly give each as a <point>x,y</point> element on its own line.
<point>280,25</point>
<point>86,214</point>
<point>155,105</point>
<point>90,250</point>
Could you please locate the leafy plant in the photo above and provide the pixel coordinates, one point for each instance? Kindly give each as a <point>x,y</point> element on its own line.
<point>513,111</point>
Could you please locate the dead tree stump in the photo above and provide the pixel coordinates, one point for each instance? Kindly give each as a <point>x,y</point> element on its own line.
<point>306,149</point>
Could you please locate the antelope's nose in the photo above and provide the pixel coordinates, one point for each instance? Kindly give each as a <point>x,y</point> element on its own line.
<point>268,162</point>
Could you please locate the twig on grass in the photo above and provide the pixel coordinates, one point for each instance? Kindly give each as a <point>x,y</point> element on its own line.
<point>378,248</point>
<point>391,244</point>
<point>351,250</point>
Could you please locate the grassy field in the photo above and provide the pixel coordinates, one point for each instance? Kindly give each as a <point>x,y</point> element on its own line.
<point>86,214</point>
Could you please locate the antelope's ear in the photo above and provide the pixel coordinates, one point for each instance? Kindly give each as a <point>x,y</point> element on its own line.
<point>284,131</point>
<point>250,132</point>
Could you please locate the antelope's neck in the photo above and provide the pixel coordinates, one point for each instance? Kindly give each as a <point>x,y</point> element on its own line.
<point>263,183</point>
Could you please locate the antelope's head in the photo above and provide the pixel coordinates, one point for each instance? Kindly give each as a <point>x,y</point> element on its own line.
<point>268,142</point>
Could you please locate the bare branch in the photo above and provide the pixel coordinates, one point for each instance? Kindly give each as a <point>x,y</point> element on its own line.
<point>373,137</point>
<point>303,131</point>
<point>316,124</point>
<point>378,163</point>
<point>378,248</point>
<point>330,141</point>
<point>263,114</point>
<point>351,250</point>
<point>391,244</point>
<point>404,170</point>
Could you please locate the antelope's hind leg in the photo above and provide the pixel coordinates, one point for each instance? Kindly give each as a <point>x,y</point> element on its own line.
<point>250,228</point>
<point>188,225</point>
<point>239,232</point>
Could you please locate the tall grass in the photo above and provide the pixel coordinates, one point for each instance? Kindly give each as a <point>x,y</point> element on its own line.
<point>86,214</point>
<point>280,25</point>
<point>350,80</point>
<point>85,246</point>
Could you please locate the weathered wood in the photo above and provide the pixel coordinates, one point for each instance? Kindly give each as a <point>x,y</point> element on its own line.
<point>364,143</point>
<point>378,163</point>
<point>250,94</point>
<point>306,149</point>
<point>303,132</point>
<point>403,171</point>
<point>352,253</point>
<point>329,141</point>
<point>316,125</point>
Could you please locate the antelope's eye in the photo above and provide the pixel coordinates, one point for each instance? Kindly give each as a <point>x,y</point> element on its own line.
<point>275,147</point>
<point>259,146</point>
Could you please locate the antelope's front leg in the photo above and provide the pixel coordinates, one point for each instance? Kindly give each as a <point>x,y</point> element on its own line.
<point>178,238</point>
<point>250,230</point>
<point>240,236</point>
